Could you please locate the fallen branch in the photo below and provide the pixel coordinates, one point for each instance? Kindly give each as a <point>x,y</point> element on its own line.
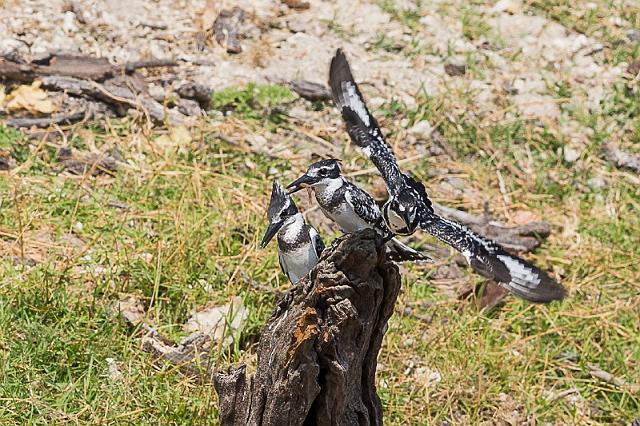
<point>120,87</point>
<point>317,355</point>
<point>191,355</point>
<point>117,91</point>
<point>607,377</point>
<point>42,122</point>
<point>130,67</point>
<point>14,68</point>
<point>92,163</point>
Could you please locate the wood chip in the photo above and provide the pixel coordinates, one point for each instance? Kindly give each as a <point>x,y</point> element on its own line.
<point>455,70</point>
<point>310,91</point>
<point>297,4</point>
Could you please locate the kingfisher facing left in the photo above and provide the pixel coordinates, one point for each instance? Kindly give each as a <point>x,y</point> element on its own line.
<point>299,245</point>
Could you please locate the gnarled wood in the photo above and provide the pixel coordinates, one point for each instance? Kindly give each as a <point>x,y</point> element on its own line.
<point>317,353</point>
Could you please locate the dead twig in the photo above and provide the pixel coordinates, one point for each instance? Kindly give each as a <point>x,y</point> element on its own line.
<point>43,122</point>
<point>115,91</point>
<point>14,68</point>
<point>191,355</point>
<point>129,67</point>
<point>607,377</point>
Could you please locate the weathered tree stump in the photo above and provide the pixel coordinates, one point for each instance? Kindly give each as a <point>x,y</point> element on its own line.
<point>318,352</point>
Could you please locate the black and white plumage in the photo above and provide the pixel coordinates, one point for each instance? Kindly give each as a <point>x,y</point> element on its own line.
<point>410,208</point>
<point>349,206</point>
<point>299,245</point>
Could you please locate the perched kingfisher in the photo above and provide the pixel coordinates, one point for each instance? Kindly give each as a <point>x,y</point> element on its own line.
<point>299,245</point>
<point>349,206</point>
<point>410,208</point>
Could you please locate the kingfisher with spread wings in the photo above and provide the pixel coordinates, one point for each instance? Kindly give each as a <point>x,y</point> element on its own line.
<point>409,207</point>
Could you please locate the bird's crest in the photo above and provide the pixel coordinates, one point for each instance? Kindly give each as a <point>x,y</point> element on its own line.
<point>279,202</point>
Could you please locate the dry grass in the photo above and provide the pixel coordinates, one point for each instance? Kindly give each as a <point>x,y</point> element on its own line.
<point>178,226</point>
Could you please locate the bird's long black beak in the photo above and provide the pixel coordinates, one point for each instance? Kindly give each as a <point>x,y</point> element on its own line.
<point>271,231</point>
<point>302,182</point>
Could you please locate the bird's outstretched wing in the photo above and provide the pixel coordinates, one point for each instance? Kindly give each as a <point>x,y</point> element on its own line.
<point>361,125</point>
<point>490,260</point>
<point>317,242</point>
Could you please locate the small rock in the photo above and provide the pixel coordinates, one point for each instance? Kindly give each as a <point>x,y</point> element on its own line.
<point>617,21</point>
<point>206,285</point>
<point>189,107</point>
<point>6,161</point>
<point>408,343</point>
<point>428,378</point>
<point>634,68</point>
<point>197,92</point>
<point>377,102</point>
<point>145,257</point>
<point>258,142</point>
<point>220,322</point>
<point>571,154</point>
<point>596,182</point>
<point>633,35</point>
<point>455,70</point>
<point>509,88</point>
<point>114,374</point>
<point>157,92</point>
<point>69,22</point>
<point>511,6</point>
<point>296,25</point>
<point>310,91</point>
<point>421,129</point>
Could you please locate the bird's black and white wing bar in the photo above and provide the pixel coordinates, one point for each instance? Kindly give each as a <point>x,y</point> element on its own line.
<point>490,260</point>
<point>361,125</point>
<point>362,204</point>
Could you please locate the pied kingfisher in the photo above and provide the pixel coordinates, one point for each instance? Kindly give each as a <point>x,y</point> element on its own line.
<point>299,245</point>
<point>349,206</point>
<point>410,208</point>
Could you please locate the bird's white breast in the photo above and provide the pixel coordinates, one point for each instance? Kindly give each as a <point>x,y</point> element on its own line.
<point>395,222</point>
<point>347,219</point>
<point>300,261</point>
